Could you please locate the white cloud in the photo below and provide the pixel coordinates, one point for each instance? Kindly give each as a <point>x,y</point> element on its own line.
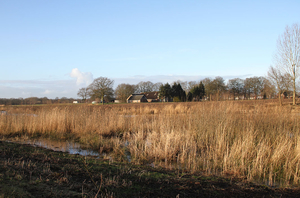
<point>82,78</point>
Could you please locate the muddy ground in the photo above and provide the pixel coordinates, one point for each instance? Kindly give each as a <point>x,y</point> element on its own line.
<point>27,171</point>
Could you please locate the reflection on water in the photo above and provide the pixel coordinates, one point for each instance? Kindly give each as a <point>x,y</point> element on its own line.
<point>68,147</point>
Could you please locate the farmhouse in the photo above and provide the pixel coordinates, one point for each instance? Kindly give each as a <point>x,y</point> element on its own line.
<point>152,96</point>
<point>136,98</point>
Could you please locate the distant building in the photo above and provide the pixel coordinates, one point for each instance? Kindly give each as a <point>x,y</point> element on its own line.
<point>136,98</point>
<point>117,101</point>
<point>152,96</point>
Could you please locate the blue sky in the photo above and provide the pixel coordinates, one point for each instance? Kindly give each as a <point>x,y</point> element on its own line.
<point>53,48</point>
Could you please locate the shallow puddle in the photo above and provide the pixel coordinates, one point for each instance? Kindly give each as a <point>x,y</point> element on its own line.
<point>68,147</point>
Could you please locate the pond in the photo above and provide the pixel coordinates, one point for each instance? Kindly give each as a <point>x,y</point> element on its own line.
<point>68,147</point>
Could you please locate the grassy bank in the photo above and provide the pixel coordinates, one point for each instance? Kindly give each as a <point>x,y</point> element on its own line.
<point>255,140</point>
<point>27,171</point>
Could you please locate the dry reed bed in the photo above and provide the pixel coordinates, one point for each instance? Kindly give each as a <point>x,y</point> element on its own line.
<point>258,141</point>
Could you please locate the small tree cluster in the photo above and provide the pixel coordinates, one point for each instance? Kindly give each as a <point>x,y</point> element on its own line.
<point>101,88</point>
<point>196,93</point>
<point>123,91</point>
<point>177,93</point>
<point>165,92</point>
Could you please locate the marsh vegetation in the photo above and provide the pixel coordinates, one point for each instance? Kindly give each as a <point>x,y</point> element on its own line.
<point>255,140</point>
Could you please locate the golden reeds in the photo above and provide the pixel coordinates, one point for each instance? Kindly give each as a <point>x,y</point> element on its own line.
<point>255,140</point>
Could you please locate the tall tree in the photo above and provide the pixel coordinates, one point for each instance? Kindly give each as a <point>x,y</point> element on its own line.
<point>156,86</point>
<point>218,86</point>
<point>282,82</point>
<point>257,85</point>
<point>235,86</point>
<point>208,85</point>
<point>123,91</point>
<point>288,54</point>
<point>83,93</point>
<point>178,93</point>
<point>268,89</point>
<point>202,90</point>
<point>248,89</point>
<point>190,85</point>
<point>101,87</point>
<point>198,91</point>
<point>253,85</point>
<point>144,86</point>
<point>189,96</point>
<point>183,84</point>
<point>165,92</point>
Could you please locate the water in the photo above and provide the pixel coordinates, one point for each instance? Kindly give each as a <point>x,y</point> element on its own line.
<point>68,147</point>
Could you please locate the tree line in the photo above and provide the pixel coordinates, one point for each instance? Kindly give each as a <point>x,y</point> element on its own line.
<point>35,100</point>
<point>180,91</point>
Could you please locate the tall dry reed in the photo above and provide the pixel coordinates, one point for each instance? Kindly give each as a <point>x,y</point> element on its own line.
<point>255,140</point>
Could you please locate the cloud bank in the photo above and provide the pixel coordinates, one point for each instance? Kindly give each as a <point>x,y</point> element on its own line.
<point>38,88</point>
<point>82,78</point>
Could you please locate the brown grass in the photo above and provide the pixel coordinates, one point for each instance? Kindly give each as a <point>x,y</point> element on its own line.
<point>258,140</point>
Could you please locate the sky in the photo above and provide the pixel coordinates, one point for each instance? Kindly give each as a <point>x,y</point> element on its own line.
<point>54,48</point>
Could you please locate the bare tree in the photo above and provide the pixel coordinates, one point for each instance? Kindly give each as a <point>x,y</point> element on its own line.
<point>288,54</point>
<point>83,93</point>
<point>281,81</point>
<point>218,86</point>
<point>190,85</point>
<point>257,85</point>
<point>101,87</point>
<point>208,87</point>
<point>247,88</point>
<point>253,85</point>
<point>156,86</point>
<point>268,90</point>
<point>123,91</point>
<point>235,87</point>
<point>144,86</point>
<point>183,84</point>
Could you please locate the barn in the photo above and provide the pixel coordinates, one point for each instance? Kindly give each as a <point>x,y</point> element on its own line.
<point>152,96</point>
<point>136,98</point>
